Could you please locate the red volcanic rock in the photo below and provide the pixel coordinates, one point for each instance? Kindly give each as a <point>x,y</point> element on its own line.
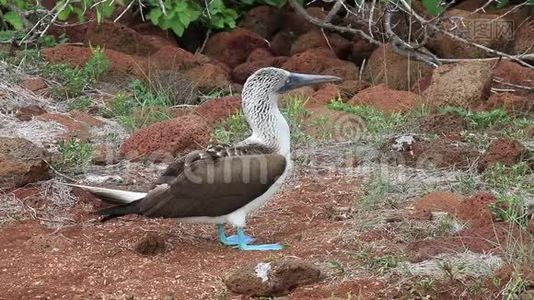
<point>474,210</point>
<point>315,39</point>
<point>324,94</point>
<point>465,84</point>
<point>442,124</point>
<point>208,77</point>
<point>278,277</point>
<point>523,38</point>
<point>259,54</point>
<point>21,162</point>
<point>282,41</point>
<point>28,112</point>
<point>34,84</point>
<point>476,27</point>
<point>361,49</point>
<point>217,110</point>
<point>119,37</point>
<point>321,61</point>
<point>263,20</point>
<point>514,73</point>
<point>233,48</point>
<point>173,58</point>
<point>77,124</point>
<point>510,102</point>
<point>349,88</point>
<point>78,56</point>
<point>396,71</point>
<point>244,70</point>
<point>504,151</point>
<point>437,202</point>
<point>162,141</point>
<point>297,24</point>
<point>386,99</point>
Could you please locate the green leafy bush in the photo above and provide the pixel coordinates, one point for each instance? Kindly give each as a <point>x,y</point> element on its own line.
<point>175,15</point>
<point>142,107</point>
<point>75,80</point>
<point>11,19</point>
<point>74,156</point>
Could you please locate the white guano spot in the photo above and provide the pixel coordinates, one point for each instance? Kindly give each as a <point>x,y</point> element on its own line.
<point>262,271</point>
<point>403,141</point>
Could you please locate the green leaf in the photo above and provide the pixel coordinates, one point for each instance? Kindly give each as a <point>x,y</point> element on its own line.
<point>217,22</point>
<point>14,20</point>
<point>502,3</point>
<point>180,6</point>
<point>64,14</point>
<point>178,29</point>
<point>433,6</point>
<point>98,16</point>
<point>107,8</point>
<point>154,15</point>
<point>3,2</point>
<point>6,35</point>
<point>79,12</point>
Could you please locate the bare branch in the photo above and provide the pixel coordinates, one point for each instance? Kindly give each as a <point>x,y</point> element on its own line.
<point>327,25</point>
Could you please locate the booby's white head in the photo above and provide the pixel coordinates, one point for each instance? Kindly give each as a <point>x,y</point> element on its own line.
<point>260,104</point>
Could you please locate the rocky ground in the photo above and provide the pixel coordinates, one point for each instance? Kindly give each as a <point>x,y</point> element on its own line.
<point>411,182</point>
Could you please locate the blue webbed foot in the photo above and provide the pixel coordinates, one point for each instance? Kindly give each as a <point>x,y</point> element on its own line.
<point>243,244</point>
<point>262,247</point>
<point>232,240</point>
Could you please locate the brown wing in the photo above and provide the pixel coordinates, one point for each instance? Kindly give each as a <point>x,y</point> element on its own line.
<point>214,187</point>
<point>212,152</point>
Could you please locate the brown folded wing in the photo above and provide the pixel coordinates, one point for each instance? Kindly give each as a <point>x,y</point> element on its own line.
<point>213,186</point>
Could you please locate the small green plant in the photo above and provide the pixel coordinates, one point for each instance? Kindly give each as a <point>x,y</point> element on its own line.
<point>504,177</point>
<point>231,130</point>
<point>448,224</point>
<point>451,270</point>
<point>514,286</point>
<point>377,263</point>
<point>481,119</point>
<point>511,209</point>
<point>295,113</point>
<point>75,80</point>
<point>75,155</point>
<point>466,183</point>
<point>49,41</point>
<point>142,107</point>
<point>27,59</point>
<point>80,104</point>
<point>324,131</point>
<point>375,193</point>
<point>376,121</point>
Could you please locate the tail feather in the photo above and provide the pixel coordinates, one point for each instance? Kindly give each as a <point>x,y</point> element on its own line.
<point>114,195</point>
<point>119,210</point>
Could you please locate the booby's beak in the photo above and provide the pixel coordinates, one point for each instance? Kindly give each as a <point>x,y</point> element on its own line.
<point>296,80</point>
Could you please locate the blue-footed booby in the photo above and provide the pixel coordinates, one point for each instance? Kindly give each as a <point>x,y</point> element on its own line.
<point>222,184</point>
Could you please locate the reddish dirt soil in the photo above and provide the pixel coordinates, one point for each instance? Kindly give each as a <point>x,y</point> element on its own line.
<point>90,259</point>
<point>482,235</point>
<point>442,124</point>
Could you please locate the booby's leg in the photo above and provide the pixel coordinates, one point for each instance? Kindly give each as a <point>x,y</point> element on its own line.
<point>243,244</point>
<point>230,240</point>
